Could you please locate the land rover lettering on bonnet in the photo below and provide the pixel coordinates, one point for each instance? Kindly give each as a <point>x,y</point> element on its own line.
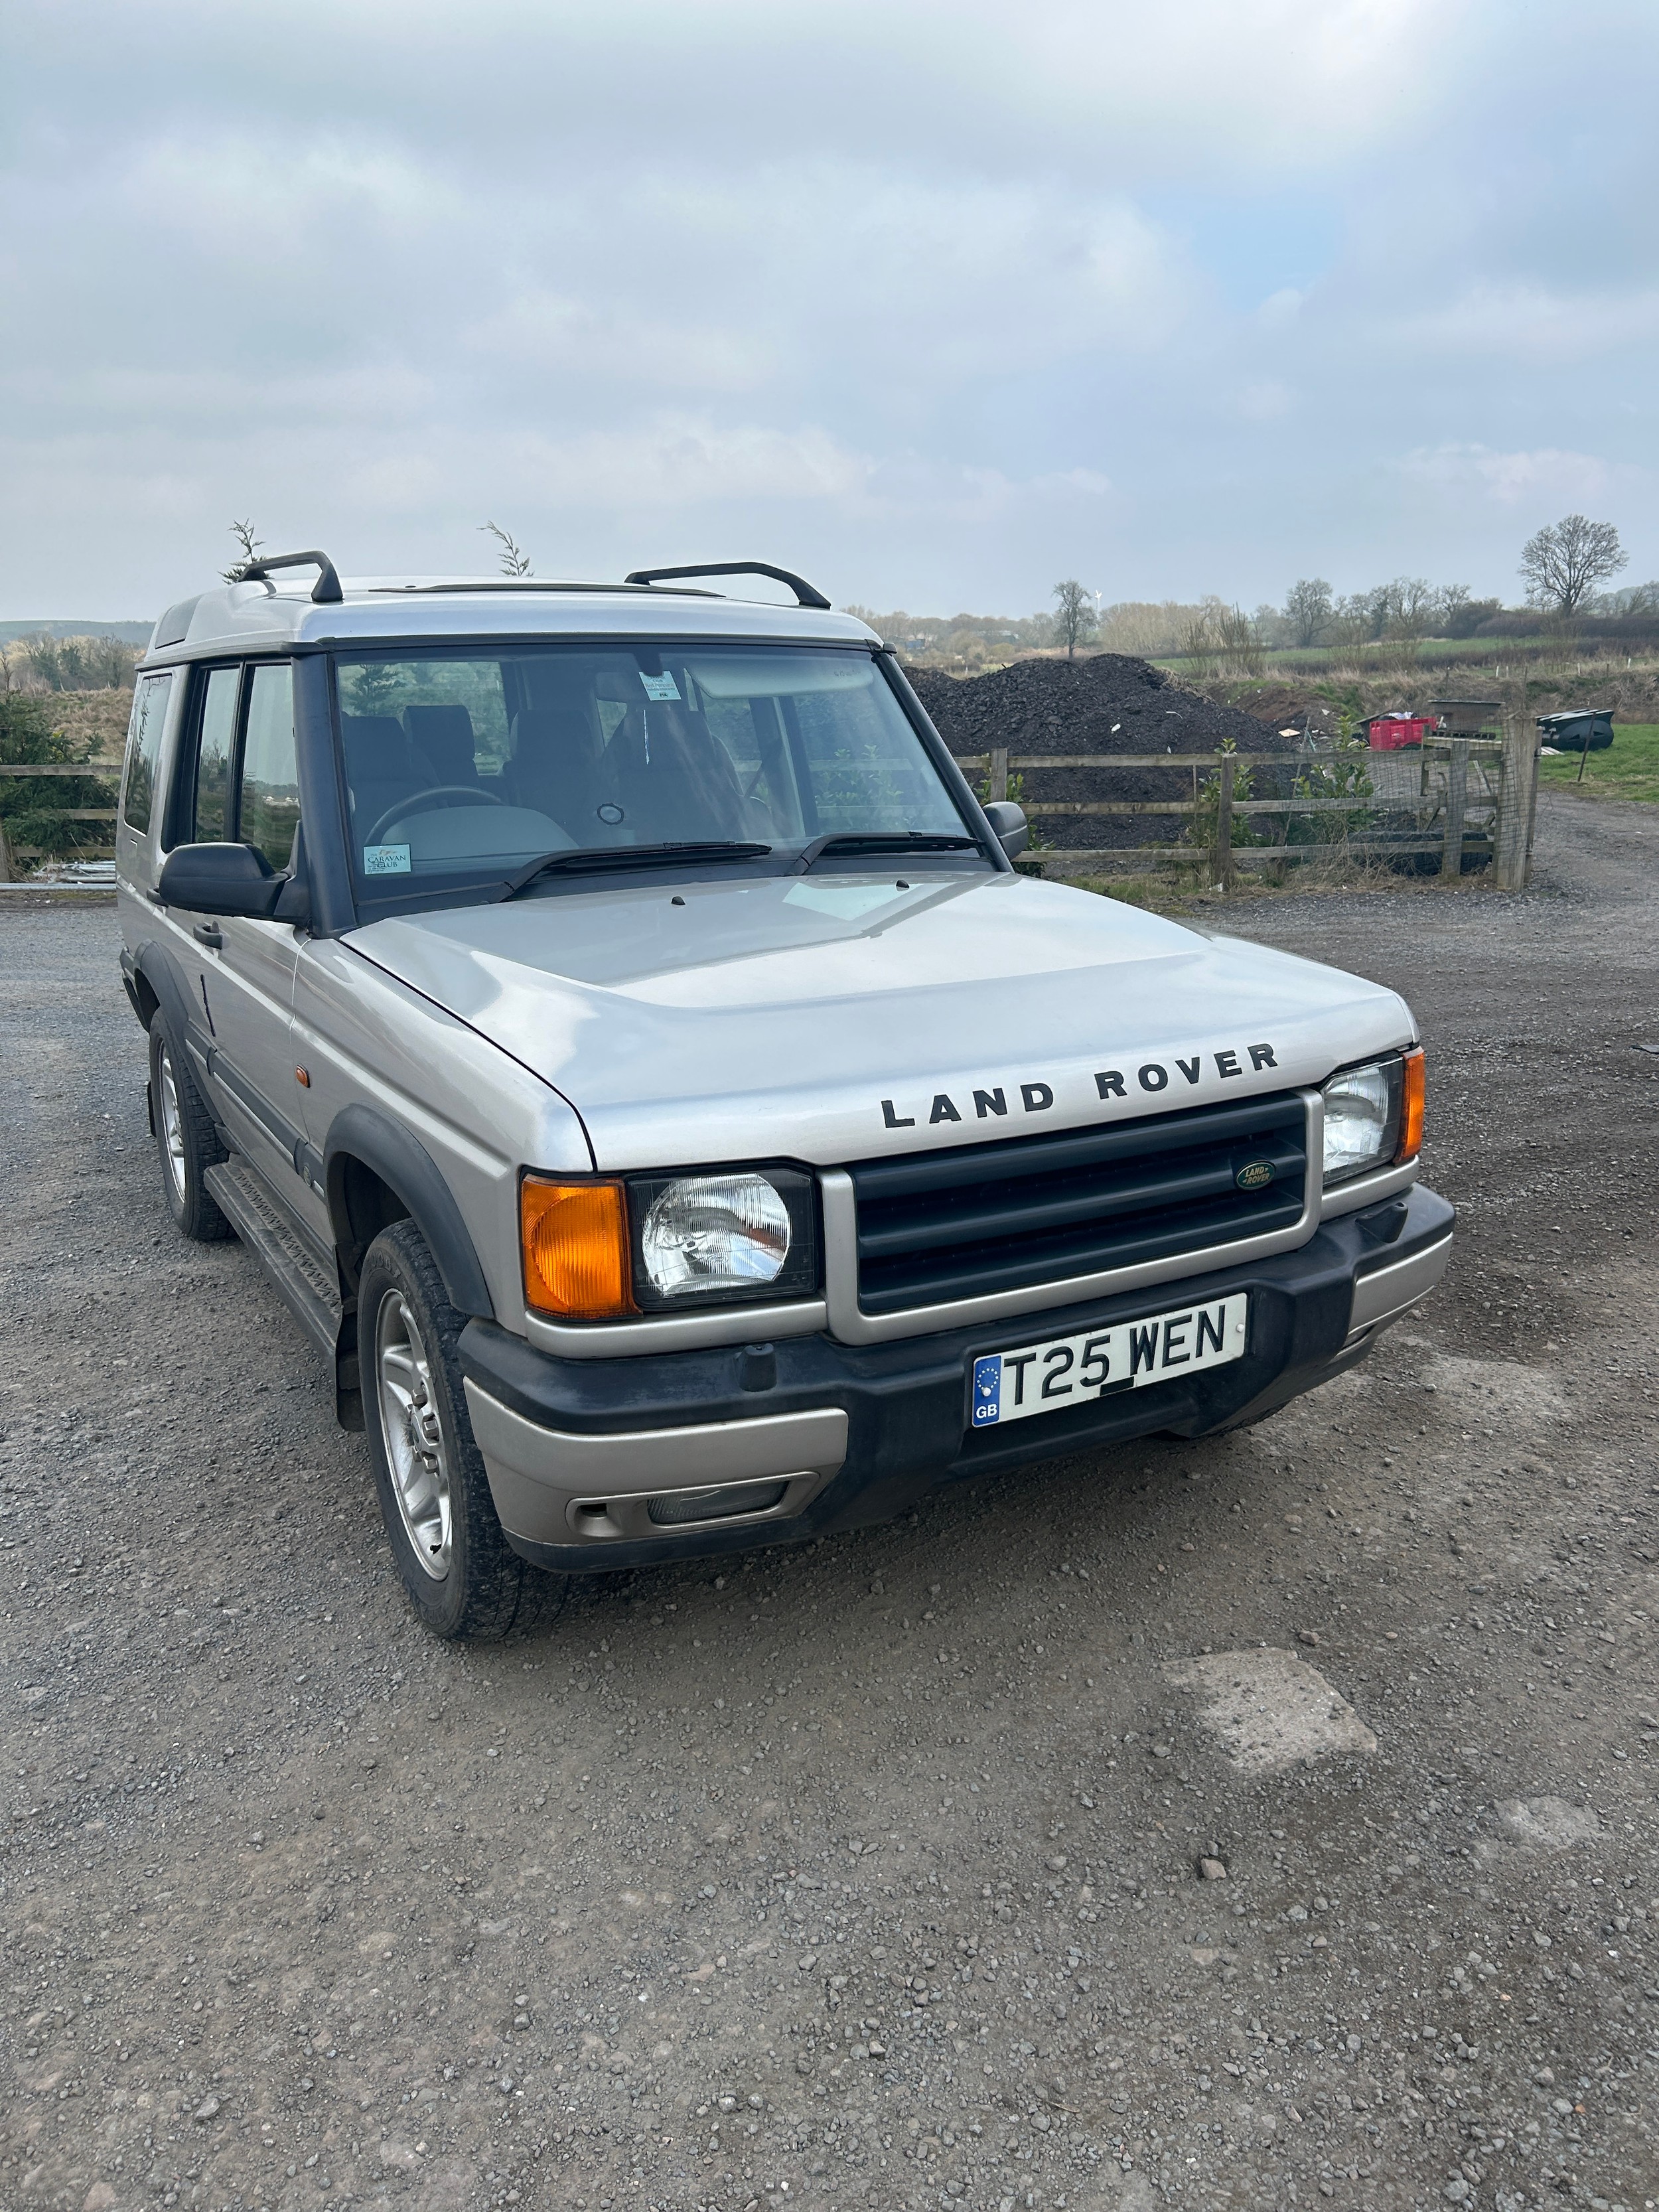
<point>575,998</point>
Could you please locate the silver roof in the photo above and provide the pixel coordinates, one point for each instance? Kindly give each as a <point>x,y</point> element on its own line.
<point>244,617</point>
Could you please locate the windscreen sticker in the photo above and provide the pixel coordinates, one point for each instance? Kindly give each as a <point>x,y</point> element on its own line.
<point>386,860</point>
<point>660,686</point>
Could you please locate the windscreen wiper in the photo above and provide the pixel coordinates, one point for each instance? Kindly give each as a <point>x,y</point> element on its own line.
<point>579,859</point>
<point>883,840</point>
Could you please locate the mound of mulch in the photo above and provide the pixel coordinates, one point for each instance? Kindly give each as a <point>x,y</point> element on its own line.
<point>1108,703</point>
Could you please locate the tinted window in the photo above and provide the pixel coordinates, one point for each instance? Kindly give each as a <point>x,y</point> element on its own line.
<point>149,713</point>
<point>269,813</point>
<point>467,767</point>
<point>215,744</point>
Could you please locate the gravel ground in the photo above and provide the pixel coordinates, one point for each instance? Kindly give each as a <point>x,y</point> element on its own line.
<point>867,1875</point>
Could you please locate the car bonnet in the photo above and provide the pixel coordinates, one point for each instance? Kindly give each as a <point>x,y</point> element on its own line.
<point>840,1017</point>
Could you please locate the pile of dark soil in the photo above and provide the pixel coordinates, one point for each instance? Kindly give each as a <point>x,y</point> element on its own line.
<point>1106,704</point>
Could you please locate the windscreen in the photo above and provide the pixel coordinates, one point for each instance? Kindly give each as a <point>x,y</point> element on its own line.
<point>466,768</point>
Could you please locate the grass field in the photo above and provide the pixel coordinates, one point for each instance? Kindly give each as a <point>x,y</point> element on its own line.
<point>1384,661</point>
<point>1628,769</point>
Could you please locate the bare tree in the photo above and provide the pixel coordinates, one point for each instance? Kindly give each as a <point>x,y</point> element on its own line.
<point>1074,615</point>
<point>1412,608</point>
<point>251,549</point>
<point>1196,640</point>
<point>1238,642</point>
<point>1308,609</point>
<point>515,562</point>
<point>1565,560</point>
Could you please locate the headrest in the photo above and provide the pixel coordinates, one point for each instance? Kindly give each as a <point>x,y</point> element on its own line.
<point>444,734</point>
<point>379,749</point>
<point>537,727</point>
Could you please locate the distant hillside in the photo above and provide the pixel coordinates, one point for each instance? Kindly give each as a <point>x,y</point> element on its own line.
<point>128,632</point>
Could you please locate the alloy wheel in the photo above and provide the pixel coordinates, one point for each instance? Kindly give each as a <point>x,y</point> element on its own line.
<point>413,1435</point>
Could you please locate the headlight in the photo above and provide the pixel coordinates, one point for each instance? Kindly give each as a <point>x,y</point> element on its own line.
<point>1373,1116</point>
<point>715,1233</point>
<point>724,1236</point>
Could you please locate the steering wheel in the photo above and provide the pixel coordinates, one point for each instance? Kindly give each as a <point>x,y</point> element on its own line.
<point>469,793</point>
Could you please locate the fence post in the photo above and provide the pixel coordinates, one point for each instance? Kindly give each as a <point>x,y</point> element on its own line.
<point>1224,824</point>
<point>1457,800</point>
<point>1511,860</point>
<point>998,771</point>
<point>6,874</point>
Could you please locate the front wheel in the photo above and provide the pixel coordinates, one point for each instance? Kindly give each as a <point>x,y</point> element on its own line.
<point>461,1576</point>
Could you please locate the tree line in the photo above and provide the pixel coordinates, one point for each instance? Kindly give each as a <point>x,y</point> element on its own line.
<point>1562,566</point>
<point>45,663</point>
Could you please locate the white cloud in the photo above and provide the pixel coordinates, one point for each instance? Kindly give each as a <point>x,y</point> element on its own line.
<point>1509,480</point>
<point>1264,401</point>
<point>1280,308</point>
<point>622,342</point>
<point>1495,322</point>
<point>948,298</point>
<point>680,461</point>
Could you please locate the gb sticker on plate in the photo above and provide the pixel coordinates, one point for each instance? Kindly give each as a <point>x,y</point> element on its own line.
<point>987,1390</point>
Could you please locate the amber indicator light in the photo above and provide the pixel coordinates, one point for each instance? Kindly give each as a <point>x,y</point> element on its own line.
<point>574,1242</point>
<point>1410,1109</point>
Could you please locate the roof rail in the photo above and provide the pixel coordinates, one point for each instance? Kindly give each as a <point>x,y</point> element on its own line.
<point>326,589</point>
<point>805,596</point>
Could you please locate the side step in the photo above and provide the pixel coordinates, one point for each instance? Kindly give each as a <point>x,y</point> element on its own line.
<point>294,1266</point>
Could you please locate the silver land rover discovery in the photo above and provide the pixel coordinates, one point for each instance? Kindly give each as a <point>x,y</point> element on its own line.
<point>609,1016</point>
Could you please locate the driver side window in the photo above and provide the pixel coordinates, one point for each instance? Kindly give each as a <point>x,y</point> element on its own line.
<point>239,783</point>
<point>268,808</point>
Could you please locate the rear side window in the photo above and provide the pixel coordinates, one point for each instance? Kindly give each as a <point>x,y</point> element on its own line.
<point>268,812</point>
<point>149,714</point>
<point>215,747</point>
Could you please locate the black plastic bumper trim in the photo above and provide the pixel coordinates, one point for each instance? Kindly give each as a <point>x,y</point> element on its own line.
<point>905,1401</point>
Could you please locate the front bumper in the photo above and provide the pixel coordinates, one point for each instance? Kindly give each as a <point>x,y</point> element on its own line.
<point>581,1451</point>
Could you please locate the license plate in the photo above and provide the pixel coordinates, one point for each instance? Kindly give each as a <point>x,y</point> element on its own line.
<point>1045,1378</point>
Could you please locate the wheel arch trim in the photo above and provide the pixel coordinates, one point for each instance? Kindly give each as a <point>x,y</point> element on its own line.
<point>156,970</point>
<point>389,1151</point>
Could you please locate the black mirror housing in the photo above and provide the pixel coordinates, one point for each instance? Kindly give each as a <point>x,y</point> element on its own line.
<point>234,880</point>
<point>1008,822</point>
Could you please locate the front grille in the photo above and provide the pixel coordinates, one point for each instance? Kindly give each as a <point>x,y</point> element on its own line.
<point>987,1218</point>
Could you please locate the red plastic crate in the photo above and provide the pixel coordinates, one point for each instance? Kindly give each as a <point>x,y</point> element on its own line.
<point>1389,732</point>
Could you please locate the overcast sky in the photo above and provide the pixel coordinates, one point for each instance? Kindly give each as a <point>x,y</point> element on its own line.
<point>937,303</point>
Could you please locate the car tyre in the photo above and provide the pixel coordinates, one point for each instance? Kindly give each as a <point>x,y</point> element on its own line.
<point>186,1140</point>
<point>460,1572</point>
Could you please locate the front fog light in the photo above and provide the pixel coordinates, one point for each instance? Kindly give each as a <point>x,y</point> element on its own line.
<point>1362,1119</point>
<point>711,1233</point>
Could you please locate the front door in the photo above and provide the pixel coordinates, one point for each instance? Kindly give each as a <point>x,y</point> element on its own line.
<point>247,789</point>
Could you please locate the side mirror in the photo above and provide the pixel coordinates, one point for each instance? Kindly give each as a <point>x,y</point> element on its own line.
<point>1009,823</point>
<point>227,880</point>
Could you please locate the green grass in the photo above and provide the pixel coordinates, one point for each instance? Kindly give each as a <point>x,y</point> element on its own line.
<point>1629,768</point>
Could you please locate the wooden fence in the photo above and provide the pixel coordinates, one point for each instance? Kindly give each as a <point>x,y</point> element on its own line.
<point>83,770</point>
<point>1462,797</point>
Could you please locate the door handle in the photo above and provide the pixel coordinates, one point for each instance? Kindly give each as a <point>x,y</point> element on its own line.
<point>209,934</point>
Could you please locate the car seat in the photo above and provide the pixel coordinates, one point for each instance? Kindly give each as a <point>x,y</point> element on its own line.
<point>443,735</point>
<point>671,777</point>
<point>383,765</point>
